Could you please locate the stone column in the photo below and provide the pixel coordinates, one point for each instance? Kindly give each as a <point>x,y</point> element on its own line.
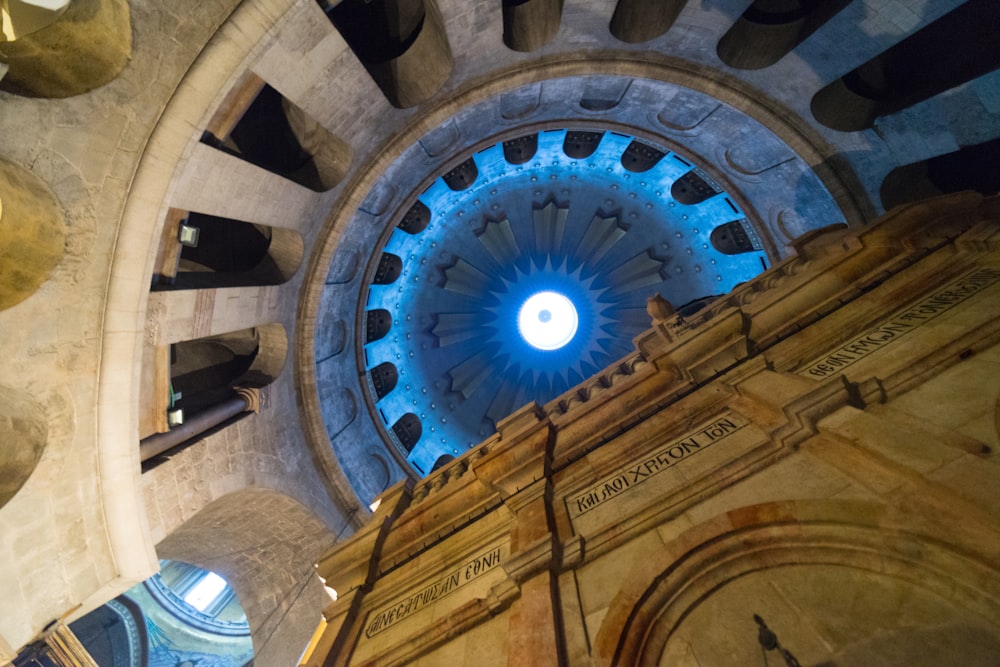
<point>86,47</point>
<point>31,233</point>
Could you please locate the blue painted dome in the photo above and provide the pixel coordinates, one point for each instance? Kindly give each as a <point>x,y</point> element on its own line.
<point>602,218</point>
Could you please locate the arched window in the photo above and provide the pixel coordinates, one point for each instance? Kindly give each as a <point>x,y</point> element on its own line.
<point>416,219</point>
<point>693,188</point>
<point>640,157</point>
<point>462,176</point>
<point>274,134</point>
<point>442,461</point>
<point>377,324</point>
<point>202,251</point>
<point>408,430</point>
<point>520,150</point>
<point>389,269</point>
<point>384,378</point>
<point>580,145</point>
<point>734,238</point>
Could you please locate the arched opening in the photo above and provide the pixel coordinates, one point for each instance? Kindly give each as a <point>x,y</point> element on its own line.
<point>530,24</point>
<point>377,324</point>
<point>770,29</point>
<point>67,50</point>
<point>31,234</point>
<point>23,434</point>
<point>637,21</point>
<point>416,219</point>
<point>639,157</point>
<point>115,633</point>
<point>462,176</point>
<point>402,44</point>
<point>969,168</point>
<point>383,378</point>
<point>752,561</point>
<point>182,615</point>
<point>389,268</point>
<point>521,149</point>
<point>206,371</point>
<point>693,188</point>
<point>735,238</point>
<point>207,384</point>
<point>954,49</point>
<point>263,543</point>
<point>407,430</point>
<point>580,145</point>
<point>201,251</point>
<point>258,124</point>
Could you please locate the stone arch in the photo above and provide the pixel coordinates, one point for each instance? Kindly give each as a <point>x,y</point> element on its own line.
<point>651,605</point>
<point>32,229</point>
<point>23,436</point>
<point>264,543</point>
<point>85,47</point>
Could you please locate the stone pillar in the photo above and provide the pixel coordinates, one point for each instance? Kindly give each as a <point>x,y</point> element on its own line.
<point>522,476</point>
<point>530,24</point>
<point>88,46</point>
<point>31,234</point>
<point>535,623</point>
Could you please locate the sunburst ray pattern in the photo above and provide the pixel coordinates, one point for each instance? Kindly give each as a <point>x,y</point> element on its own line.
<point>590,229</point>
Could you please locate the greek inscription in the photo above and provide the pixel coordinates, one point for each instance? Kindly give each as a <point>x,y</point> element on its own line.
<point>391,614</point>
<point>670,455</point>
<point>901,323</point>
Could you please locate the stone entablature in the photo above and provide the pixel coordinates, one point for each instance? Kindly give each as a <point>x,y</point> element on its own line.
<point>708,414</point>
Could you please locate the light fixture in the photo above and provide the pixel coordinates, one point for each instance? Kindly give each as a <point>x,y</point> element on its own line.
<point>175,417</point>
<point>188,235</point>
<point>547,320</point>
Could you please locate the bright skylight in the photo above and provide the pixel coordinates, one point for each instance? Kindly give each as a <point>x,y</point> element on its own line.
<point>547,320</point>
<point>205,591</point>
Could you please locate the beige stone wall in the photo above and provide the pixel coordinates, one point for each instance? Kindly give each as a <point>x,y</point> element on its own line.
<point>818,448</point>
<point>84,524</point>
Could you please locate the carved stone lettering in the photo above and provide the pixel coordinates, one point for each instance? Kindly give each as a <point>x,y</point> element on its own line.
<point>670,455</point>
<point>387,616</point>
<point>901,323</point>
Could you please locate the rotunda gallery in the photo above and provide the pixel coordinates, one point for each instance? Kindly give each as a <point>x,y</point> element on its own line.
<point>268,267</point>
